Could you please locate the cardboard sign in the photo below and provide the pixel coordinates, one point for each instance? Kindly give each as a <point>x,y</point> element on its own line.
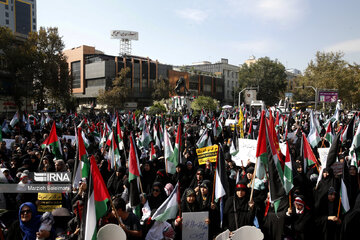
<point>207,153</point>
<point>247,151</point>
<point>194,226</point>
<point>323,153</point>
<point>49,201</point>
<point>337,168</point>
<point>8,142</point>
<point>73,138</point>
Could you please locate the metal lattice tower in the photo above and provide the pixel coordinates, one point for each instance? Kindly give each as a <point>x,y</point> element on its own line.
<point>125,47</point>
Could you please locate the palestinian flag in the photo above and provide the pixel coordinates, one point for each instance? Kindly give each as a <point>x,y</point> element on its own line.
<point>261,150</point>
<point>202,116</point>
<point>308,155</point>
<point>313,137</point>
<point>344,197</point>
<point>355,145</point>
<point>221,181</point>
<point>153,153</point>
<point>234,148</point>
<point>84,161</point>
<point>14,120</point>
<point>97,205</point>
<point>156,137</point>
<point>249,135</point>
<point>5,127</point>
<point>42,121</point>
<point>114,155</point>
<point>168,152</point>
<point>53,142</point>
<point>134,176</point>
<point>276,175</point>
<point>348,133</point>
<point>217,129</point>
<point>119,134</point>
<point>288,176</point>
<point>145,137</point>
<point>174,160</point>
<point>169,207</point>
<point>202,140</point>
<point>329,135</point>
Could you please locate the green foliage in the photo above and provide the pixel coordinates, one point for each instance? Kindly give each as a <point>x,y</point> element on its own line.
<point>157,108</point>
<point>269,75</point>
<point>37,67</point>
<point>161,89</point>
<point>330,71</point>
<point>116,95</point>
<point>203,102</point>
<point>18,56</point>
<point>138,112</point>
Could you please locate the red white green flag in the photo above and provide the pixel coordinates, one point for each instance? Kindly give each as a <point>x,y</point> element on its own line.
<point>97,205</point>
<point>309,157</point>
<point>84,161</point>
<point>174,159</point>
<point>288,176</point>
<point>134,174</point>
<point>261,149</point>
<point>53,142</point>
<point>153,153</point>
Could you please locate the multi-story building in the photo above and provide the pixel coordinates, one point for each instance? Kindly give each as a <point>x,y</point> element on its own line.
<point>19,16</point>
<point>92,70</point>
<point>199,83</point>
<point>230,74</point>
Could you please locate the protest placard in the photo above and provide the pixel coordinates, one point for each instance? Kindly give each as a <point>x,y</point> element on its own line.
<point>247,151</point>
<point>323,153</point>
<point>49,201</point>
<point>73,138</point>
<point>207,153</point>
<point>194,226</point>
<point>8,142</point>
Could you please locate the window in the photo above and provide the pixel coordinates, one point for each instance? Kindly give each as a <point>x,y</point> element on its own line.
<point>23,17</point>
<point>7,21</point>
<point>6,7</point>
<point>34,20</point>
<point>6,14</point>
<point>75,73</point>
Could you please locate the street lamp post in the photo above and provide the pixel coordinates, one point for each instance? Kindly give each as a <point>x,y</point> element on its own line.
<point>247,88</point>
<point>315,89</point>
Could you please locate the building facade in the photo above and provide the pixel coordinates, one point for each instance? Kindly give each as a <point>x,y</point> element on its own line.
<point>19,16</point>
<point>229,73</point>
<point>199,83</point>
<point>92,70</point>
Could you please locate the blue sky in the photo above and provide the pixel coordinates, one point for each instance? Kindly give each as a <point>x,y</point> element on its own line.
<point>183,32</point>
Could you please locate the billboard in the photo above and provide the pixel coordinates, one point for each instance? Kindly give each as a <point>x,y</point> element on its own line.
<point>120,34</point>
<point>250,95</point>
<point>328,96</point>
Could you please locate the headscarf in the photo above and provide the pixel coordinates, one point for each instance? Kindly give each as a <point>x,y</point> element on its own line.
<point>31,227</point>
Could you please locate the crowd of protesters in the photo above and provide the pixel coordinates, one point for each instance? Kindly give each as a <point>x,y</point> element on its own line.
<point>309,211</point>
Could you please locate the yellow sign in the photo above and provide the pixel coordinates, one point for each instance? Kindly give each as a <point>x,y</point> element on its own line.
<point>49,201</point>
<point>207,153</point>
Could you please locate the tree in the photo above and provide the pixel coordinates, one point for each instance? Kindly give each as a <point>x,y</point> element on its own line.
<point>330,71</point>
<point>157,108</point>
<point>161,89</point>
<point>18,56</point>
<point>266,74</point>
<point>116,95</point>
<point>206,103</point>
<point>52,78</point>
